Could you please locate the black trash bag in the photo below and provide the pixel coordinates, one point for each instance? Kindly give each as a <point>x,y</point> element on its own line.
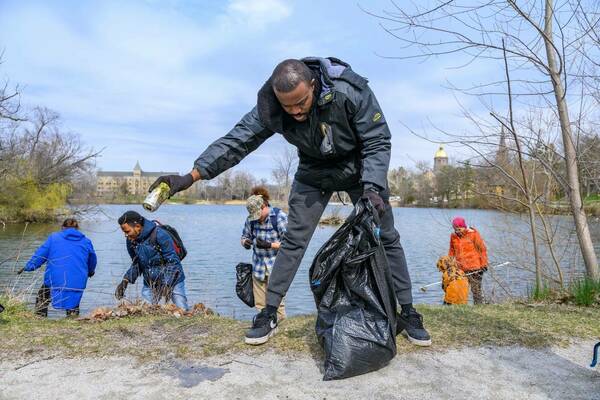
<point>243,284</point>
<point>354,293</point>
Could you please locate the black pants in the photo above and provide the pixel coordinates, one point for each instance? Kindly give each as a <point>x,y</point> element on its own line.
<point>307,204</point>
<point>43,301</point>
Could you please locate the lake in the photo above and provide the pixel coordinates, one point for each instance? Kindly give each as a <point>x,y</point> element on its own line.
<point>211,234</point>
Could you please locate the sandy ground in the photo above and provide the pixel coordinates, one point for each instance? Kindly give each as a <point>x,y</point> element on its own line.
<point>477,373</point>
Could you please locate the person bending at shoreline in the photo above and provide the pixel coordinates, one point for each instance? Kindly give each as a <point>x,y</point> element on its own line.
<point>70,260</point>
<point>329,112</point>
<point>154,256</point>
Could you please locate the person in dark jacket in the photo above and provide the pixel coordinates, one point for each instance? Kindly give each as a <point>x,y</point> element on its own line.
<point>70,260</point>
<point>154,257</point>
<point>326,110</point>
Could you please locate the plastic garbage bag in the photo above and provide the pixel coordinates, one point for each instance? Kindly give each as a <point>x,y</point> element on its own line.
<point>243,284</point>
<point>354,293</point>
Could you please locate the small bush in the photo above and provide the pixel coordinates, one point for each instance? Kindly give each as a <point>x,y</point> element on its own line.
<point>585,292</point>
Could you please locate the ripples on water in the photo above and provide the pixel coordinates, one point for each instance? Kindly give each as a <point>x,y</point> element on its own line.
<point>212,236</point>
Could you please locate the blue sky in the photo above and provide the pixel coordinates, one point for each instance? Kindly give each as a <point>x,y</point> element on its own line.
<point>157,81</point>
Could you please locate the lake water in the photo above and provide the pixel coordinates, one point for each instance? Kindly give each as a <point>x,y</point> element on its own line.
<point>212,236</point>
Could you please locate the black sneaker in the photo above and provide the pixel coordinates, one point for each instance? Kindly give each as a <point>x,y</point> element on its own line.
<point>264,325</point>
<point>411,325</point>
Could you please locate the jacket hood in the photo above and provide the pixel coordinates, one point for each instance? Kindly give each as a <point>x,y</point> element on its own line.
<point>326,70</point>
<point>72,234</point>
<point>146,230</point>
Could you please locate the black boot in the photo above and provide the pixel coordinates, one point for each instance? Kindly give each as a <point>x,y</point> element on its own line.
<point>42,301</point>
<point>73,312</point>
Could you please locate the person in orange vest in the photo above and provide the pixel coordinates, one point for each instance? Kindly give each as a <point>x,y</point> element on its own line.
<point>467,246</point>
<point>454,282</point>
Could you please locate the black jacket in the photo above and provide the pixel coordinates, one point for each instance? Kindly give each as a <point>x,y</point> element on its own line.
<point>346,112</point>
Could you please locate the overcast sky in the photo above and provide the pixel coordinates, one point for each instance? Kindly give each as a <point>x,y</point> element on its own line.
<point>158,81</point>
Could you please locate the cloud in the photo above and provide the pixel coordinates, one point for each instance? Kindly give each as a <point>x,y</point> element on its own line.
<point>257,13</point>
<point>160,80</point>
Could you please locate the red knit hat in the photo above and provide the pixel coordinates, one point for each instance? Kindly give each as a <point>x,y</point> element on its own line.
<point>459,222</point>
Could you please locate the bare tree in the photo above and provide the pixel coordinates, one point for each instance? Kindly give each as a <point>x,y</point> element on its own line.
<point>9,101</point>
<point>285,165</point>
<point>516,36</point>
<point>242,184</point>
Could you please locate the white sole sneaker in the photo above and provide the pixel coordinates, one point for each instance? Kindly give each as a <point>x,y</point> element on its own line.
<point>416,342</point>
<point>260,340</point>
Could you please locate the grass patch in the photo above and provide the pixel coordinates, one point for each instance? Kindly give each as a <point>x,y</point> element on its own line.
<point>148,338</point>
<point>544,293</point>
<point>585,292</point>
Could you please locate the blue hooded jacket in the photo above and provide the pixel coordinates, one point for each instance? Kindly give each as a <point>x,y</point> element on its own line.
<point>69,257</point>
<point>159,264</point>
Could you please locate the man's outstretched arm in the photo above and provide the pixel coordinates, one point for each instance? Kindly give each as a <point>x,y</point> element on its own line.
<point>222,154</point>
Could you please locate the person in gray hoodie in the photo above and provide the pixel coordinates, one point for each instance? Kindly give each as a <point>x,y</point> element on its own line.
<point>326,110</point>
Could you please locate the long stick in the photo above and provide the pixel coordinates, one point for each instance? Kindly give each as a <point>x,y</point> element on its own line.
<point>424,288</point>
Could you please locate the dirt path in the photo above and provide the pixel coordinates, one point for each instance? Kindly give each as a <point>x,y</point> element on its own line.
<point>479,373</point>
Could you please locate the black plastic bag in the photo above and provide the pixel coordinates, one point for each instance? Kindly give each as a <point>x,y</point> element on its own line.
<point>354,293</point>
<point>243,284</point>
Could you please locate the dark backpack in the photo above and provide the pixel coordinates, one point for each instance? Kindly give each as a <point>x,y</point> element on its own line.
<point>180,249</point>
<point>273,221</point>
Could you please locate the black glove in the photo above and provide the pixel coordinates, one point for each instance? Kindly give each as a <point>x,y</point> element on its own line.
<point>247,244</point>
<point>263,244</point>
<point>90,274</point>
<point>19,272</point>
<point>120,291</point>
<point>1,308</point>
<point>375,200</point>
<point>176,183</point>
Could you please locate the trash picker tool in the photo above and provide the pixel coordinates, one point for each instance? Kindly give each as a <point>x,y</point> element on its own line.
<point>424,288</point>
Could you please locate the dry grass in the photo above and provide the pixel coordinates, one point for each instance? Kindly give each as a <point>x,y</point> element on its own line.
<point>194,337</point>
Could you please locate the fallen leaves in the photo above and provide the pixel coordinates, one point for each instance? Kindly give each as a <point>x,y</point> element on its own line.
<point>139,309</point>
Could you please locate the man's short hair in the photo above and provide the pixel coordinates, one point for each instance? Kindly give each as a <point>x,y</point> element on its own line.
<point>288,74</point>
<point>70,223</point>
<point>131,218</point>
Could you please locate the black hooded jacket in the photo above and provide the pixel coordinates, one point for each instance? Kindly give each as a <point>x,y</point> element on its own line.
<point>344,141</point>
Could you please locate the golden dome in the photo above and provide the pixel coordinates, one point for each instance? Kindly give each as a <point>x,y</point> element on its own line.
<point>441,153</point>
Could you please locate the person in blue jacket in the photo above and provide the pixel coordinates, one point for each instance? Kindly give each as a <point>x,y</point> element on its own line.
<point>153,256</point>
<point>70,260</point>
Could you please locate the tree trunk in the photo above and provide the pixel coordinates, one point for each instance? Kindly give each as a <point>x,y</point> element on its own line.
<point>573,190</point>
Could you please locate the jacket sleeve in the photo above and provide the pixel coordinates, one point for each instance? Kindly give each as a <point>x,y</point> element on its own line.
<point>480,245</point>
<point>92,259</point>
<point>282,222</point>
<point>172,263</point>
<point>451,250</point>
<point>445,280</point>
<point>247,232</point>
<point>134,271</point>
<point>40,256</point>
<point>224,153</point>
<point>374,138</point>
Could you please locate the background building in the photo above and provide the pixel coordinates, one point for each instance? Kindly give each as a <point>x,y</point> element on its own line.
<point>440,159</point>
<point>136,182</point>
